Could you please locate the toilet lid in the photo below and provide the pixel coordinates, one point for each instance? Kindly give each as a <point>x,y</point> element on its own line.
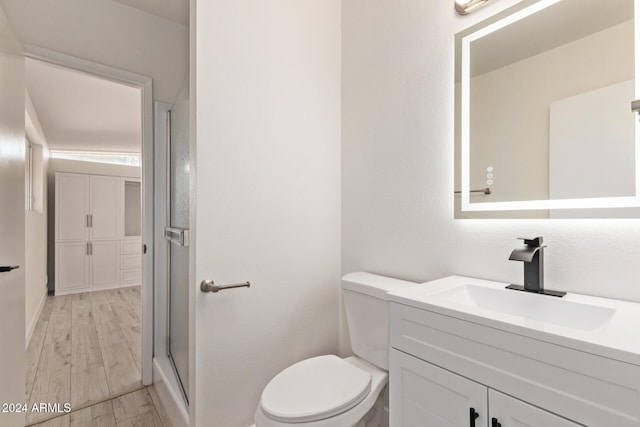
<point>314,389</point>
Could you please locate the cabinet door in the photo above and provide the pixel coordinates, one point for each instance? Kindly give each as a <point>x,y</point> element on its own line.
<point>105,257</point>
<point>105,207</point>
<point>422,394</point>
<point>72,207</point>
<point>510,412</point>
<point>72,266</point>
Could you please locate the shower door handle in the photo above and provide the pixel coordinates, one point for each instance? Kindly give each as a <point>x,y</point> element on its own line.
<point>209,286</point>
<point>179,236</point>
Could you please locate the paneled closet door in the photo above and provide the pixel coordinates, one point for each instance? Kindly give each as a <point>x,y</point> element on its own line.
<point>72,265</point>
<point>105,257</point>
<point>105,208</point>
<point>72,207</point>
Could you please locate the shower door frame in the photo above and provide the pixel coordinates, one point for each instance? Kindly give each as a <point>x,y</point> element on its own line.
<point>162,112</point>
<point>184,241</point>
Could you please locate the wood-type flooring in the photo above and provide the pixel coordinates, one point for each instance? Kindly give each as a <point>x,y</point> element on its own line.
<point>85,349</point>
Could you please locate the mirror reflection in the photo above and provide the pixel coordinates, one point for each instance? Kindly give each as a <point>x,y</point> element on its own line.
<point>546,100</point>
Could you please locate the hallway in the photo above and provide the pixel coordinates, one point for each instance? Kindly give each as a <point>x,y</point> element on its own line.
<point>85,349</point>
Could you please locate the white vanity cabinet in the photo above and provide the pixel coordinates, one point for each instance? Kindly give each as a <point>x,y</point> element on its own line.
<point>423,394</point>
<point>446,360</point>
<point>510,412</point>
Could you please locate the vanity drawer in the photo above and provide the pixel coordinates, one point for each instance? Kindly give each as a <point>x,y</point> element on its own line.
<point>590,389</point>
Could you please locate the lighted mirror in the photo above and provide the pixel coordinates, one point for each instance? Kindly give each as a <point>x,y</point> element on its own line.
<point>543,112</point>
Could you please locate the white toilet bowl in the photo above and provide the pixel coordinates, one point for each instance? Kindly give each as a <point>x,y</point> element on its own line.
<point>327,391</point>
<point>323,391</point>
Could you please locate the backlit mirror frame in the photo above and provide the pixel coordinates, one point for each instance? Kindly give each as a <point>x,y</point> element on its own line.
<point>463,69</point>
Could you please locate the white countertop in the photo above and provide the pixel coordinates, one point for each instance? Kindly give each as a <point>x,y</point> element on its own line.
<point>614,331</point>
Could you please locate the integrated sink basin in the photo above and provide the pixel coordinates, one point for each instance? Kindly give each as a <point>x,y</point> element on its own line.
<point>534,307</point>
<point>602,326</point>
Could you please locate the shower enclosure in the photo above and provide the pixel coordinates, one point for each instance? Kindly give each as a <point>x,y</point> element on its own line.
<point>171,319</point>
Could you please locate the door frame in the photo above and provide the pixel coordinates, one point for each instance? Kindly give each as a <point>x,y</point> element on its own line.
<point>145,84</point>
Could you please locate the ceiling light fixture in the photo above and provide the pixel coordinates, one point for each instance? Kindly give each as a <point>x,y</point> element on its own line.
<point>464,7</point>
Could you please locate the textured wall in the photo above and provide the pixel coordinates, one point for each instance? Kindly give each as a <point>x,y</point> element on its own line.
<point>268,196</point>
<point>397,166</point>
<point>35,288</point>
<point>108,33</point>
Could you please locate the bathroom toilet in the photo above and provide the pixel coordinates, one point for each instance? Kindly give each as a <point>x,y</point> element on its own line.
<point>327,391</point>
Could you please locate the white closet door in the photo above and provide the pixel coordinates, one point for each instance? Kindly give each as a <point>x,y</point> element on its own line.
<point>105,257</point>
<point>72,207</point>
<point>105,207</point>
<point>72,266</point>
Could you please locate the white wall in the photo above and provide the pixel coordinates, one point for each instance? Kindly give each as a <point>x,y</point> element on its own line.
<point>108,33</point>
<point>512,135</point>
<point>74,166</point>
<point>35,289</point>
<point>12,223</point>
<point>268,196</point>
<point>397,157</point>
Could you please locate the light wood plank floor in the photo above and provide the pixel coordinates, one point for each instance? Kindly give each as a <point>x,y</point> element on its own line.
<point>137,409</point>
<point>86,348</point>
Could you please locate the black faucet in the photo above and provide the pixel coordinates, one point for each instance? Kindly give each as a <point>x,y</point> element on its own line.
<point>533,257</point>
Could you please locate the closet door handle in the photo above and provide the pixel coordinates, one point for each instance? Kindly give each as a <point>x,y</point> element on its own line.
<point>495,423</point>
<point>472,417</point>
<point>7,268</point>
<point>89,248</point>
<point>87,218</point>
<point>91,220</point>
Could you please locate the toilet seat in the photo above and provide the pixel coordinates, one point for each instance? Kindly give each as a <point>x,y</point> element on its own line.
<point>347,418</point>
<point>315,389</point>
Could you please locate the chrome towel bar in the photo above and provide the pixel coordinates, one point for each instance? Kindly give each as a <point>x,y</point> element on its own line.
<point>209,286</point>
<point>486,190</point>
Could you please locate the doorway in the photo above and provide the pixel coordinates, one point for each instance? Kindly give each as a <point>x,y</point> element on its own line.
<point>91,340</point>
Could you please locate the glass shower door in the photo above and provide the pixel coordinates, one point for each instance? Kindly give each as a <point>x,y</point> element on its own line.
<point>177,236</point>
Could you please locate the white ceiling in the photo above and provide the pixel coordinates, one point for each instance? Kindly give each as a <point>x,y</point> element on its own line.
<point>173,10</point>
<point>82,112</point>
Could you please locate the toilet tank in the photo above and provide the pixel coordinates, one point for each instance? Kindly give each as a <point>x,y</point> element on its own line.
<point>367,308</point>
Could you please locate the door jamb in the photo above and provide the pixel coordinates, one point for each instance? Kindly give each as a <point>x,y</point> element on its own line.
<point>145,84</point>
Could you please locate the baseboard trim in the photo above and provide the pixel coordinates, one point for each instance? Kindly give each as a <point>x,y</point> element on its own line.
<point>172,403</point>
<point>59,291</point>
<point>34,321</point>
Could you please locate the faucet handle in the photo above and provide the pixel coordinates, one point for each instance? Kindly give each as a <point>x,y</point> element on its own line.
<point>535,242</point>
